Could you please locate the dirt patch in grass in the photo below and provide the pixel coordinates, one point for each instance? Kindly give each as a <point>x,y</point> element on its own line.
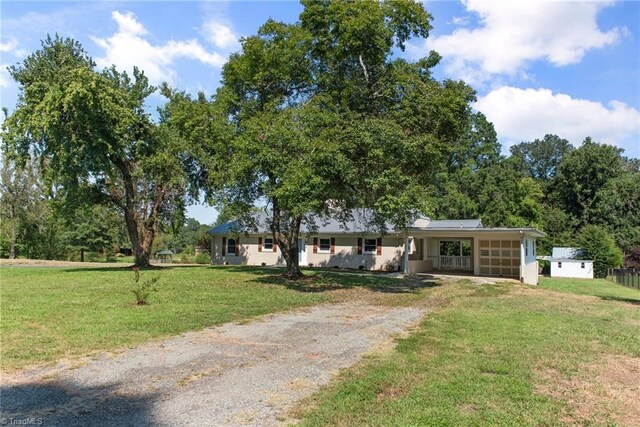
<point>392,392</point>
<point>635,322</point>
<point>604,392</point>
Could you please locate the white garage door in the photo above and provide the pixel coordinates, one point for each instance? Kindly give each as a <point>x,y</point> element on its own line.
<point>500,258</point>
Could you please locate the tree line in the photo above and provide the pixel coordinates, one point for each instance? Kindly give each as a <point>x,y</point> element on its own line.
<point>311,120</point>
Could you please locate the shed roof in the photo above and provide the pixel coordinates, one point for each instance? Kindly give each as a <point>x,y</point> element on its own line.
<point>164,252</point>
<point>550,258</point>
<point>566,253</point>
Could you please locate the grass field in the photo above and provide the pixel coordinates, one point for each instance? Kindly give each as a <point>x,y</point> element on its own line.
<point>52,313</point>
<point>566,352</point>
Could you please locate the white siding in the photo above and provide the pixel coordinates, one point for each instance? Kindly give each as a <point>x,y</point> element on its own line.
<point>529,267</point>
<point>345,254</point>
<point>572,268</point>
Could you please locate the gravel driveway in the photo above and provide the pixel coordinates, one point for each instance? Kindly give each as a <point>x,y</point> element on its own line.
<point>234,374</point>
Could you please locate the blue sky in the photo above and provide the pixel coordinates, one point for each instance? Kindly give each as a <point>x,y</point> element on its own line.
<point>569,68</point>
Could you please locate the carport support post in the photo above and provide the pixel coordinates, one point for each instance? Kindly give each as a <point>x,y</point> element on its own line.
<point>405,255</point>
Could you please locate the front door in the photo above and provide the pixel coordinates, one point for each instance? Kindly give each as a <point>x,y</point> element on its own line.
<point>302,252</point>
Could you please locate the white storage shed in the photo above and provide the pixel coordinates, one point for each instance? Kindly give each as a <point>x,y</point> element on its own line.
<point>566,262</point>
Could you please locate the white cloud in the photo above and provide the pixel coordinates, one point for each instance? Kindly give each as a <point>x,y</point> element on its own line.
<point>460,21</point>
<point>220,35</point>
<point>5,78</point>
<point>11,47</point>
<point>128,48</point>
<point>513,33</point>
<point>128,24</point>
<point>526,114</point>
<point>8,46</point>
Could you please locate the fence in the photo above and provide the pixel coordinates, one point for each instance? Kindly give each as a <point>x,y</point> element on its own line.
<point>455,262</point>
<point>625,276</point>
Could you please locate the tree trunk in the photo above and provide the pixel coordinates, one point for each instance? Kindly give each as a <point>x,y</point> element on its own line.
<point>81,255</point>
<point>141,257</point>
<point>13,238</point>
<point>148,235</point>
<point>287,242</point>
<point>290,255</point>
<point>12,243</point>
<point>140,248</point>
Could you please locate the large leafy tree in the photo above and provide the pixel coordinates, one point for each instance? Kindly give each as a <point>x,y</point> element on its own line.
<point>473,155</point>
<point>185,237</point>
<point>507,198</point>
<point>20,191</point>
<point>594,185</point>
<point>322,119</point>
<point>597,244</point>
<point>617,208</point>
<point>94,140</point>
<point>91,228</point>
<point>540,159</point>
<point>581,175</point>
<point>560,228</point>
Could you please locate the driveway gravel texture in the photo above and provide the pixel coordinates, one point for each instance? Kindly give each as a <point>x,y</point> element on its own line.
<point>234,374</point>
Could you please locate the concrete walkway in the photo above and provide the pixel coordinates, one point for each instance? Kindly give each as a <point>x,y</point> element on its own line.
<point>234,374</point>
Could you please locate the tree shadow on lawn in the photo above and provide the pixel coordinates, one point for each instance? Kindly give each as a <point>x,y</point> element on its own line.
<point>130,268</point>
<point>63,403</point>
<point>317,280</point>
<point>620,299</point>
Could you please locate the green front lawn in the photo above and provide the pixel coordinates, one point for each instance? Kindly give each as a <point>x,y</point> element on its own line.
<point>498,355</point>
<point>51,313</point>
<point>596,287</point>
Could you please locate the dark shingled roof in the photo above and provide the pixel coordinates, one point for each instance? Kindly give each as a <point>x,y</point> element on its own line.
<point>358,224</point>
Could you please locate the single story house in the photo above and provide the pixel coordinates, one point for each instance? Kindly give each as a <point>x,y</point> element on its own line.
<point>567,262</point>
<point>429,246</point>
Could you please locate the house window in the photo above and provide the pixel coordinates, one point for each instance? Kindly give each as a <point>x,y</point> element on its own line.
<point>559,265</point>
<point>582,265</point>
<point>370,246</point>
<point>526,247</point>
<point>231,246</point>
<point>324,245</point>
<point>267,244</point>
